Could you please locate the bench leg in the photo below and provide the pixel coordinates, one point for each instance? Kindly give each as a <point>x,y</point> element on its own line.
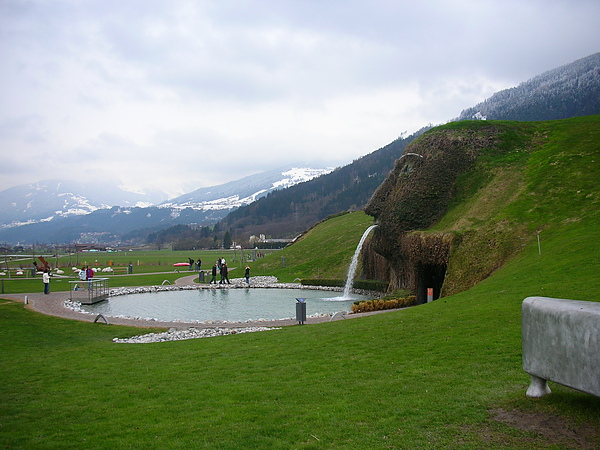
<point>538,387</point>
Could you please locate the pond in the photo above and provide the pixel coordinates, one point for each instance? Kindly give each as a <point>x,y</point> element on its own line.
<point>231,305</point>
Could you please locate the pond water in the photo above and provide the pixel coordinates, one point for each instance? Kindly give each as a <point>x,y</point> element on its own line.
<point>232,305</point>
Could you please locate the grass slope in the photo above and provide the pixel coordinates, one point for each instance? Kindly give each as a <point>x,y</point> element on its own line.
<point>431,376</point>
<point>324,251</point>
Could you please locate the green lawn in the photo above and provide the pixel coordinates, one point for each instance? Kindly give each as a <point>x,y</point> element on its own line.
<point>148,268</point>
<point>422,377</point>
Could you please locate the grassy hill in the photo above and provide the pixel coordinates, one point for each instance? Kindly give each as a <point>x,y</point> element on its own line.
<point>441,375</point>
<point>324,251</point>
<point>544,181</point>
<point>477,192</point>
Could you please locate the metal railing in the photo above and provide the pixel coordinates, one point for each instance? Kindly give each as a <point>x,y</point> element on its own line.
<point>90,291</point>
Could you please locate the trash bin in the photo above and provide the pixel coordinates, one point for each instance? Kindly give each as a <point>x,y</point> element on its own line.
<point>301,310</point>
<point>130,269</point>
<point>201,276</point>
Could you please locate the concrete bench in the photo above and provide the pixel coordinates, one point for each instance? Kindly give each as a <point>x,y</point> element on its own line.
<point>561,343</point>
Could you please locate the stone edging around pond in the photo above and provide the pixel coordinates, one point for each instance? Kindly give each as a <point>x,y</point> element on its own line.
<point>194,333</point>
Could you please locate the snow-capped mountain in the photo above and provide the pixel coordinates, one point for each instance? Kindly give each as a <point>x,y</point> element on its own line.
<point>567,91</point>
<point>60,211</point>
<point>241,192</point>
<point>50,199</point>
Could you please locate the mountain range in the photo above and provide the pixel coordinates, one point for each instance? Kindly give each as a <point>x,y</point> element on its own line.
<point>279,203</point>
<point>242,192</point>
<point>59,211</point>
<point>48,199</point>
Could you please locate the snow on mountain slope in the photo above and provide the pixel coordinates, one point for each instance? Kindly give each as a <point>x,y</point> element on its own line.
<point>53,199</point>
<point>244,191</point>
<point>48,199</point>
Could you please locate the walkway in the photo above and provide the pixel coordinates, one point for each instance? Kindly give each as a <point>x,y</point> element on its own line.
<point>185,281</point>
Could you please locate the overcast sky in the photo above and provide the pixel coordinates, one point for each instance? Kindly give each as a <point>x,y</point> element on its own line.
<point>178,95</point>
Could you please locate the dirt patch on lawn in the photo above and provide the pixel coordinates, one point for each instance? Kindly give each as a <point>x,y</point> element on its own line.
<point>554,429</point>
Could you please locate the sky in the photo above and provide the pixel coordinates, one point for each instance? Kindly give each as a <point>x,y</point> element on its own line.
<point>176,95</point>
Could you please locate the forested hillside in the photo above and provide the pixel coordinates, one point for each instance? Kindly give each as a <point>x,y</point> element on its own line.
<point>568,91</point>
<point>290,211</point>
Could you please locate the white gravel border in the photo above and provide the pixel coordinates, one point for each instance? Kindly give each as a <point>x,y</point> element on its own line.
<point>191,333</point>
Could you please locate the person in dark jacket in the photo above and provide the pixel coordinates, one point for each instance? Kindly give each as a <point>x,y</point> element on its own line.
<point>224,274</point>
<point>214,274</point>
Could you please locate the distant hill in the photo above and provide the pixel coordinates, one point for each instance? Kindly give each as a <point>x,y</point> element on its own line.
<point>568,91</point>
<point>48,199</point>
<point>246,190</point>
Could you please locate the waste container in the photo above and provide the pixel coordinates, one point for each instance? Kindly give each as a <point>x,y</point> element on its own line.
<point>201,276</point>
<point>301,310</point>
<point>130,269</point>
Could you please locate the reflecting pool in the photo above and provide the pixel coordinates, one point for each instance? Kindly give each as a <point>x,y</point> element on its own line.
<point>233,305</point>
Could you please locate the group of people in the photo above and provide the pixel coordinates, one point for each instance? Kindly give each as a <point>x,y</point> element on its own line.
<point>86,273</point>
<point>220,266</point>
<point>197,263</point>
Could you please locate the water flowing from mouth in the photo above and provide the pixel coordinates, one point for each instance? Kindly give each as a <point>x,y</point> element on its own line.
<point>354,263</point>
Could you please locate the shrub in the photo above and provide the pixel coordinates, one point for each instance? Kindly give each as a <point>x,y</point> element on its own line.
<point>383,303</point>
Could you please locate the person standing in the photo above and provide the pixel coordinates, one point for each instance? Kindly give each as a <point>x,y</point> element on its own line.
<point>89,274</point>
<point>224,274</point>
<point>214,274</point>
<point>247,275</point>
<point>46,281</point>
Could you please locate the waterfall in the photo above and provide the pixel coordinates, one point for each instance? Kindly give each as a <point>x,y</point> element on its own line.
<point>354,263</point>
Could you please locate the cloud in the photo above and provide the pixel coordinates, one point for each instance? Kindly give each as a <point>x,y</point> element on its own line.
<point>185,94</point>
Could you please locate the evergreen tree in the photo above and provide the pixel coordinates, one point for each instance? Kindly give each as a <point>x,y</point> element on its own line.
<point>227,240</point>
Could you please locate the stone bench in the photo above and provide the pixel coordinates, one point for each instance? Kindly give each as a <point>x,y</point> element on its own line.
<point>561,343</point>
